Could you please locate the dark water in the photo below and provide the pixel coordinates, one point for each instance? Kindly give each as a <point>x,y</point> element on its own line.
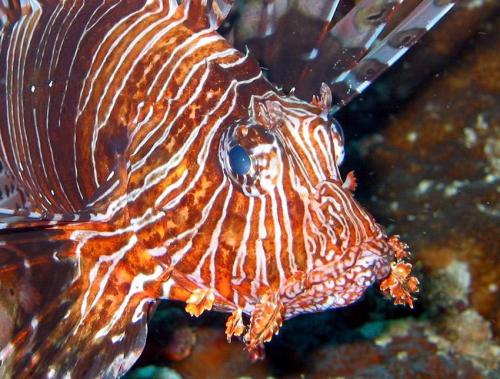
<point>424,142</point>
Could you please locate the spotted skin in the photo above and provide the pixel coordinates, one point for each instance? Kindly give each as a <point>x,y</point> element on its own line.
<point>116,123</point>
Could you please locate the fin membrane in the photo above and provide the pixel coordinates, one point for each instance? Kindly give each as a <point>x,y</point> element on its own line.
<point>352,82</point>
<point>45,331</point>
<point>337,46</point>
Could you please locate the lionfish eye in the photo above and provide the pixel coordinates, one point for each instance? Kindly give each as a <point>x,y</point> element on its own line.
<point>239,160</point>
<point>250,155</point>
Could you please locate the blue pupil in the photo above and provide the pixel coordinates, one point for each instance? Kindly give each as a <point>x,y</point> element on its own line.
<point>239,160</point>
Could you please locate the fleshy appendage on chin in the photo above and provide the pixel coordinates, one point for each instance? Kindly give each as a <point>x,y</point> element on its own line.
<point>400,284</point>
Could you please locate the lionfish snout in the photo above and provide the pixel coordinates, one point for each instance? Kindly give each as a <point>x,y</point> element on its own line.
<point>348,251</point>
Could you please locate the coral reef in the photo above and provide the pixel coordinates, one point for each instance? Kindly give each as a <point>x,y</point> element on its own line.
<point>443,191</point>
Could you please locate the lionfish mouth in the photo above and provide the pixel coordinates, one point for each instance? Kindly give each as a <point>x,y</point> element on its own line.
<point>340,282</point>
<point>341,272</point>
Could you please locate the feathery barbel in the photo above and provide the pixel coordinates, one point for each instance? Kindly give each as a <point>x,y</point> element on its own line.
<point>145,158</point>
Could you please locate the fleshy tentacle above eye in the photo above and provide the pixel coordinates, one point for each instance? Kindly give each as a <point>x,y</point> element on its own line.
<point>352,82</point>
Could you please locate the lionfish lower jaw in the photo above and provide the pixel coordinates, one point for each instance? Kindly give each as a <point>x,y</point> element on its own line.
<point>335,284</point>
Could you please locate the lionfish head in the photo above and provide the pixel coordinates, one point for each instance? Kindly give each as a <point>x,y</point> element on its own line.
<point>294,229</point>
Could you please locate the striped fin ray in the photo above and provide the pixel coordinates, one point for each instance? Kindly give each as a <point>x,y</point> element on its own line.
<point>352,82</point>
<point>56,317</point>
<point>23,218</point>
<point>344,44</point>
<point>324,45</point>
<point>208,12</point>
<point>329,11</point>
<point>16,212</point>
<point>326,16</point>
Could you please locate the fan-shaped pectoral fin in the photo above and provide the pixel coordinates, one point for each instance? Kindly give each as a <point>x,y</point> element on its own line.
<point>60,307</point>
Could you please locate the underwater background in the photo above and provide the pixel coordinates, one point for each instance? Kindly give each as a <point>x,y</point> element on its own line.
<point>424,141</point>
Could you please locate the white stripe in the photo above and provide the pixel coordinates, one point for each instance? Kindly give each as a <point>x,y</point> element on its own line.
<point>137,286</point>
<point>238,272</point>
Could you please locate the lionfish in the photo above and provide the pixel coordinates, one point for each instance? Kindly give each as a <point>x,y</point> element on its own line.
<point>145,158</point>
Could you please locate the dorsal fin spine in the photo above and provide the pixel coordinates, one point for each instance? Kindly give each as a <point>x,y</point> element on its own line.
<point>12,10</point>
<point>209,13</point>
